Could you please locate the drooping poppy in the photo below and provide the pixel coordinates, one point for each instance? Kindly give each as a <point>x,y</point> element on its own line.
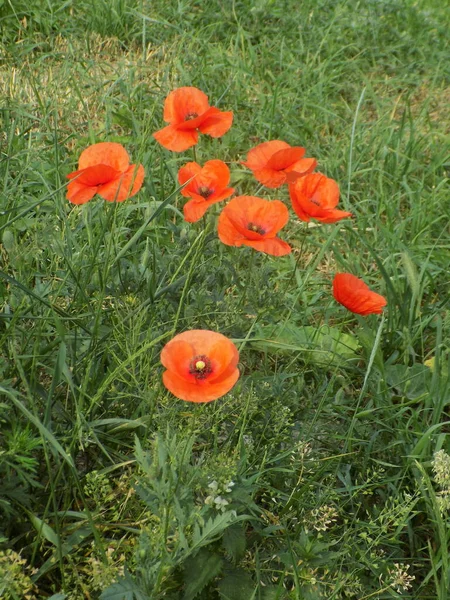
<point>208,185</point>
<point>187,111</point>
<point>104,169</point>
<point>254,222</point>
<point>356,296</point>
<point>315,196</point>
<point>274,163</point>
<point>201,365</point>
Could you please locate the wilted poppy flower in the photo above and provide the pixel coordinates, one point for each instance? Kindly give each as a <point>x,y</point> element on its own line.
<point>251,221</point>
<point>315,196</point>
<point>274,163</point>
<point>104,169</point>
<point>208,185</point>
<point>188,112</point>
<point>201,365</point>
<point>355,295</point>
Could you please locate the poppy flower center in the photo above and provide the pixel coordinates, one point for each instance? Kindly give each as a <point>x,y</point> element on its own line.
<point>200,367</point>
<point>315,200</point>
<point>205,191</point>
<point>190,116</point>
<point>256,228</point>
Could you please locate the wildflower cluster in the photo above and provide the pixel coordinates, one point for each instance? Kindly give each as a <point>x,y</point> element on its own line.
<point>201,366</point>
<point>217,494</point>
<point>441,470</point>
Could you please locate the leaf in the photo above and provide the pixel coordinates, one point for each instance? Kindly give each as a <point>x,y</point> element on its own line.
<point>412,382</point>
<point>124,589</point>
<point>325,346</point>
<point>45,530</point>
<point>199,570</point>
<point>234,541</point>
<point>237,585</point>
<point>212,529</point>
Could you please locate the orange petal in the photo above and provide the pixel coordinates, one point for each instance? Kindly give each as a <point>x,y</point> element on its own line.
<point>216,123</point>
<point>80,194</point>
<point>259,156</point>
<point>195,392</point>
<point>356,296</point>
<point>123,187</point>
<point>300,169</point>
<point>186,172</point>
<point>273,246</point>
<point>235,218</point>
<point>193,211</point>
<point>182,102</point>
<point>105,153</point>
<point>95,175</point>
<point>217,171</point>
<point>227,232</point>
<point>173,139</point>
<point>224,357</point>
<point>285,158</point>
<point>270,178</point>
<point>177,356</point>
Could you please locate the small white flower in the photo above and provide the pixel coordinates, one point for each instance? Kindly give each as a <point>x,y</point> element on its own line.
<point>213,486</point>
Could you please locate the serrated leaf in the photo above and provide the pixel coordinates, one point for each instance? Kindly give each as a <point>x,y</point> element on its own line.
<point>237,585</point>
<point>124,589</point>
<point>212,528</point>
<point>199,570</point>
<point>234,541</point>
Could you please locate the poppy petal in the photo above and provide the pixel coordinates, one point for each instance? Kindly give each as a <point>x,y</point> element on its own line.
<point>218,171</point>
<point>95,175</point>
<point>182,102</point>
<point>173,139</point>
<point>259,156</point>
<point>80,194</point>
<point>303,167</point>
<point>186,172</point>
<point>273,246</point>
<point>123,187</point>
<point>270,178</point>
<point>105,153</point>
<point>177,356</point>
<point>195,392</point>
<point>285,158</point>
<point>224,357</point>
<point>356,296</point>
<point>193,211</point>
<point>216,123</point>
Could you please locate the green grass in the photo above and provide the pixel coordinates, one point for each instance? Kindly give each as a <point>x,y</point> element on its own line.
<point>330,433</point>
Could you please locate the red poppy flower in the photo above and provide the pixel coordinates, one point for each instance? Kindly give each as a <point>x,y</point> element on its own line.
<point>208,185</point>
<point>188,112</point>
<point>251,221</point>
<point>104,169</point>
<point>315,197</point>
<point>355,295</point>
<point>201,365</point>
<point>274,163</point>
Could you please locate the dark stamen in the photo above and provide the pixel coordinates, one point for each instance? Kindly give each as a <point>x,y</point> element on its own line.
<point>190,116</point>
<point>200,367</point>
<point>205,192</point>
<point>256,228</point>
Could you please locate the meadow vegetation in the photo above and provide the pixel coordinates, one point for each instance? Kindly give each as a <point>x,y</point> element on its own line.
<point>325,472</point>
